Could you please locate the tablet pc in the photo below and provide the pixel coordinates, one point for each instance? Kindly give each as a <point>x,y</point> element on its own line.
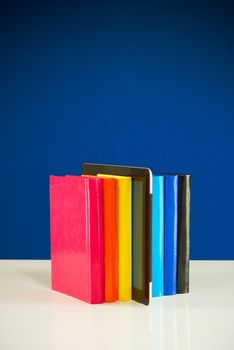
<point>141,223</point>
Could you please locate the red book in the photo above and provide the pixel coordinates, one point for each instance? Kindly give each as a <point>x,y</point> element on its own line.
<point>110,238</point>
<point>77,248</point>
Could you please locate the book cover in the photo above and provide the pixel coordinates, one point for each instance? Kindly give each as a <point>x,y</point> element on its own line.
<point>76,227</point>
<point>158,236</point>
<point>110,238</point>
<point>170,232</point>
<point>183,251</point>
<point>124,191</point>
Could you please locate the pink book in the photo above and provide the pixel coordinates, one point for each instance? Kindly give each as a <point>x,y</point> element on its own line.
<point>76,227</point>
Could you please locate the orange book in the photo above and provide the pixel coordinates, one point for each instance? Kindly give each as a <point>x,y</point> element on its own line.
<point>110,238</point>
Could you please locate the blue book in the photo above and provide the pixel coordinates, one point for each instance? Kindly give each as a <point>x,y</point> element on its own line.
<point>158,236</point>
<point>170,232</point>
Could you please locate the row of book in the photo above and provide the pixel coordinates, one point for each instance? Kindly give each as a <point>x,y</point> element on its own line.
<point>120,233</point>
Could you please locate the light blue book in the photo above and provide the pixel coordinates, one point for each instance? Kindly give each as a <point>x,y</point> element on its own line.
<point>158,236</point>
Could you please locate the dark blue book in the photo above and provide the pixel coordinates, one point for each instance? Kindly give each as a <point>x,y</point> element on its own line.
<point>170,233</point>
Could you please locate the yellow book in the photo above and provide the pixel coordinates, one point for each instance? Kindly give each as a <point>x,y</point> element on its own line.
<point>124,190</point>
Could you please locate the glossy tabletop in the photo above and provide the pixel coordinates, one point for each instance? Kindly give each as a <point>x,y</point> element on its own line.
<point>34,317</point>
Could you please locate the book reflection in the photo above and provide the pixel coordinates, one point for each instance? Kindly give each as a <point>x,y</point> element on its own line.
<point>165,324</point>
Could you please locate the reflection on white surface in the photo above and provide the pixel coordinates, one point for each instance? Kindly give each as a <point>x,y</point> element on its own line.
<point>157,324</point>
<point>92,326</point>
<point>120,325</point>
<point>183,327</point>
<point>170,326</point>
<point>34,317</point>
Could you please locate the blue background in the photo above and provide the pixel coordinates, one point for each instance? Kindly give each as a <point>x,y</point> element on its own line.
<point>140,83</point>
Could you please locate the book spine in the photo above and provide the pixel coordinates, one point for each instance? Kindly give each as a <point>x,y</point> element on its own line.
<point>57,194</point>
<point>171,221</point>
<point>110,239</point>
<point>183,252</point>
<point>158,236</point>
<point>96,241</point>
<point>125,240</point>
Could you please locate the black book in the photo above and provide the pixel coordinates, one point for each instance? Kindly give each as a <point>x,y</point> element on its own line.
<point>183,240</point>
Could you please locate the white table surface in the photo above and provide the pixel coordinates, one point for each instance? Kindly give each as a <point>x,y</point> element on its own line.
<point>34,317</point>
